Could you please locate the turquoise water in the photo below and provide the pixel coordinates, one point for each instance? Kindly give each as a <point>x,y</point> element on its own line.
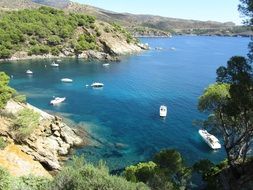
<point>123,117</point>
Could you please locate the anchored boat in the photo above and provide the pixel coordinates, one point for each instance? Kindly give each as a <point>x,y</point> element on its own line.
<point>66,80</point>
<point>97,85</point>
<point>29,72</point>
<point>163,111</point>
<point>54,64</point>
<point>57,100</point>
<point>211,140</point>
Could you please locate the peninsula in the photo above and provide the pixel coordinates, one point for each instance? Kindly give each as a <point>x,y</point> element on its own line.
<point>46,32</point>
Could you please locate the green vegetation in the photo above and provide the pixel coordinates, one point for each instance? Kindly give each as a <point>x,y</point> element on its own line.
<point>3,143</point>
<point>230,102</point>
<point>210,171</point>
<point>77,175</point>
<point>5,180</point>
<point>41,31</point>
<point>166,171</point>
<point>20,98</point>
<point>84,42</point>
<point>6,92</point>
<point>25,123</point>
<point>140,172</point>
<point>8,182</point>
<point>129,37</point>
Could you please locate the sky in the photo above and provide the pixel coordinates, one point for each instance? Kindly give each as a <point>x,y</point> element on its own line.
<point>214,10</point>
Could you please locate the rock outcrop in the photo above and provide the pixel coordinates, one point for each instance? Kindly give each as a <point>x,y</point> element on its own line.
<point>19,163</point>
<point>49,143</point>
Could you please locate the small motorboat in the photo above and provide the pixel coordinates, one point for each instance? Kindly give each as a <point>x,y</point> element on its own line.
<point>97,85</point>
<point>87,85</point>
<point>158,48</point>
<point>57,100</point>
<point>66,80</point>
<point>58,60</point>
<point>163,111</point>
<point>211,140</point>
<point>54,64</point>
<point>29,72</point>
<point>106,64</point>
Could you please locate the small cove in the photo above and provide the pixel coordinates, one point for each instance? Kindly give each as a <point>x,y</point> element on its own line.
<point>124,115</point>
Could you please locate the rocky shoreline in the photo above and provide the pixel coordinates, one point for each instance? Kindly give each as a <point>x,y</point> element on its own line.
<point>49,144</point>
<point>113,54</point>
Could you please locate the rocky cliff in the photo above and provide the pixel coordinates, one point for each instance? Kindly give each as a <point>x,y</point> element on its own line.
<point>44,150</point>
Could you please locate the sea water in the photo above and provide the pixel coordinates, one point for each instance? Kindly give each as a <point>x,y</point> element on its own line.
<point>122,118</point>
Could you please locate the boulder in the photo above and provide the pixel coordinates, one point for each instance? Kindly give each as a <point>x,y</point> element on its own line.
<point>70,137</point>
<point>57,134</point>
<point>54,127</point>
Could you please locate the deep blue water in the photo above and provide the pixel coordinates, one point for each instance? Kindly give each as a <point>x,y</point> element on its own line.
<point>126,110</point>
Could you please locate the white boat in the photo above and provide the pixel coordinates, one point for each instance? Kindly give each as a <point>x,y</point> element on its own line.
<point>97,85</point>
<point>163,111</point>
<point>29,72</point>
<point>106,64</point>
<point>66,80</point>
<point>57,100</point>
<point>211,140</point>
<point>58,60</point>
<point>55,64</point>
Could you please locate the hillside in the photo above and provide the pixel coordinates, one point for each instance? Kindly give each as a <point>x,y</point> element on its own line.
<point>152,25</point>
<point>138,25</point>
<point>48,32</point>
<point>160,26</point>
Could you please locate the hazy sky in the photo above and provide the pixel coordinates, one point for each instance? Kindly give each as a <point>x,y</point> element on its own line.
<point>215,10</point>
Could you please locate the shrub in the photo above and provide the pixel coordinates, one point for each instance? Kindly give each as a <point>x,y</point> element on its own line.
<point>5,179</point>
<point>55,51</point>
<point>6,92</point>
<point>140,172</point>
<point>167,171</point>
<point>3,143</point>
<point>169,160</point>
<point>33,42</point>
<point>54,40</point>
<point>20,98</point>
<point>38,50</point>
<point>5,53</point>
<point>107,29</point>
<point>25,123</point>
<point>80,175</point>
<point>31,183</point>
<point>98,33</point>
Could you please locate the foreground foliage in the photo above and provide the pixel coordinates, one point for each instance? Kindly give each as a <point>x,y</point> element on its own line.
<point>230,102</point>
<point>77,175</point>
<point>166,171</point>
<point>80,175</point>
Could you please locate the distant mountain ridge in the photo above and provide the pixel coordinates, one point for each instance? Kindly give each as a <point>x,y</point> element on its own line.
<point>53,3</point>
<point>139,24</point>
